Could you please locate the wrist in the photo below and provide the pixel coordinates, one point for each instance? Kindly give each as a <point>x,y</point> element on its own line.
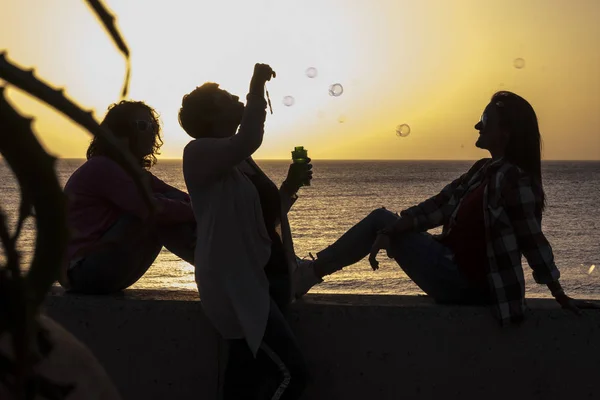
<point>256,95</point>
<point>289,187</point>
<point>391,230</point>
<point>257,89</point>
<point>400,226</point>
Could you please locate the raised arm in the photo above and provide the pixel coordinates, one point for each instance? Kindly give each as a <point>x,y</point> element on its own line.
<point>212,156</point>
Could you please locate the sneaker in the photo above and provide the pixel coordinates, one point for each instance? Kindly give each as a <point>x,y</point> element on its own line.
<point>304,277</point>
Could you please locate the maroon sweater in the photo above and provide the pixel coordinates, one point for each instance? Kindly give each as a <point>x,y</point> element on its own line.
<point>100,191</point>
<point>467,240</point>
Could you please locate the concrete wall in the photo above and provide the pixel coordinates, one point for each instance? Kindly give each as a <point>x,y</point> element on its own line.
<point>159,345</point>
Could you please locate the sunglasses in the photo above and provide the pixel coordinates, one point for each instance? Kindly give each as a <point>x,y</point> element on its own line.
<point>483,120</point>
<point>144,126</point>
<point>484,117</point>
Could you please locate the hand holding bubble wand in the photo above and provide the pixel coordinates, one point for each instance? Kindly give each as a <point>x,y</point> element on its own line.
<point>258,84</point>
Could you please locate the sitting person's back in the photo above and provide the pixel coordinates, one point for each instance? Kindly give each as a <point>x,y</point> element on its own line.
<point>112,241</point>
<point>100,191</point>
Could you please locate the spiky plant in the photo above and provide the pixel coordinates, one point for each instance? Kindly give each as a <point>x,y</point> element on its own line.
<point>22,294</point>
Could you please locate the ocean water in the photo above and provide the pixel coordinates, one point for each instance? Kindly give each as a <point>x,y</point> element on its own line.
<point>343,192</point>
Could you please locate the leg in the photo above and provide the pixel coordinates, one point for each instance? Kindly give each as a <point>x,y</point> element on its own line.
<point>355,244</point>
<point>278,371</point>
<point>280,360</point>
<point>240,377</point>
<point>426,261</point>
<point>179,239</point>
<point>429,264</point>
<point>277,273</point>
<point>130,249</point>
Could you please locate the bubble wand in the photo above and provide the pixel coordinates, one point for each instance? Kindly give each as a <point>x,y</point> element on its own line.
<point>268,99</point>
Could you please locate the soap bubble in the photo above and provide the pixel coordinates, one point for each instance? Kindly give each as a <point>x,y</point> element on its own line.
<point>311,72</point>
<point>402,130</point>
<point>336,90</point>
<point>341,119</point>
<point>591,269</point>
<point>288,101</point>
<point>519,63</point>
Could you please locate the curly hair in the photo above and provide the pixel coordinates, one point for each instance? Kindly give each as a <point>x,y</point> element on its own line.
<point>196,109</point>
<point>118,121</point>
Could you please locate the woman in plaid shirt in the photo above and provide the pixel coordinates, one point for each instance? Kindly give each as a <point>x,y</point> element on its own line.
<point>491,216</point>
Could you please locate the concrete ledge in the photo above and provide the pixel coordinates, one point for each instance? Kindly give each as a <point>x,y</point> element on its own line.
<point>159,345</point>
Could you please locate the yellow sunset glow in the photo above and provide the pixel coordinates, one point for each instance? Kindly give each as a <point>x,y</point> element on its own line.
<point>432,64</point>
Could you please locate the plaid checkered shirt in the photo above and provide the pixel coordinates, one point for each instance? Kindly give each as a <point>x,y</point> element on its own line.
<point>513,217</point>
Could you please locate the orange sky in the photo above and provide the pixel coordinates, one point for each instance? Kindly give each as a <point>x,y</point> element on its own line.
<point>432,64</point>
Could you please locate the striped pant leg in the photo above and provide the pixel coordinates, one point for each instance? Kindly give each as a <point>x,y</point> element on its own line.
<point>281,360</point>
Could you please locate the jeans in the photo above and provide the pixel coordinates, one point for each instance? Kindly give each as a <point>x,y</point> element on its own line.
<point>131,249</point>
<point>279,370</point>
<point>426,261</point>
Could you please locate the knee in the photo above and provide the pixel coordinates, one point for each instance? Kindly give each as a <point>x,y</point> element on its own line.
<point>382,217</point>
<point>127,226</point>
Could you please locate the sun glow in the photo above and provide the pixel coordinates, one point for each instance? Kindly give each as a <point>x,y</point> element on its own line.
<point>430,64</point>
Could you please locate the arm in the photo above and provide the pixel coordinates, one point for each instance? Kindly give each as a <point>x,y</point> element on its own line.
<point>522,206</point>
<point>112,183</point>
<point>174,210</point>
<point>161,187</point>
<point>288,196</point>
<point>213,156</point>
<point>297,176</point>
<point>210,157</point>
<point>436,210</point>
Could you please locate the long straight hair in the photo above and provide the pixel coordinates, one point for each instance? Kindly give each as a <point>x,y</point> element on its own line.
<point>524,148</point>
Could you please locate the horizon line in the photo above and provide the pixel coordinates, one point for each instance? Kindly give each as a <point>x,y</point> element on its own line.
<point>362,159</point>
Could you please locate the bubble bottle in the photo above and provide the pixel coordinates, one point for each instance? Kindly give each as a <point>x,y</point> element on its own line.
<point>300,156</point>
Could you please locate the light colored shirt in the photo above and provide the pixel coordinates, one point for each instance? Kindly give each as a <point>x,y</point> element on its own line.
<point>233,245</point>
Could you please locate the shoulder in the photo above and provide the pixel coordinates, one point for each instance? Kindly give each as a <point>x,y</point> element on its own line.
<point>100,163</point>
<point>476,167</point>
<point>510,174</point>
<point>102,168</point>
<point>190,150</point>
<point>92,173</point>
<point>92,166</point>
<point>191,144</point>
<point>482,161</point>
<point>196,146</point>
<point>515,183</point>
<point>479,164</point>
<point>199,152</point>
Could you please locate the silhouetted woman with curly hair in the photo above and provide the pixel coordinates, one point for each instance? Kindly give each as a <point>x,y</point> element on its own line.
<point>112,241</point>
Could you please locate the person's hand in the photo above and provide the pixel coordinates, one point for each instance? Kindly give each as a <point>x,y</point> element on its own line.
<point>298,174</point>
<point>262,74</point>
<point>381,242</point>
<point>574,305</point>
